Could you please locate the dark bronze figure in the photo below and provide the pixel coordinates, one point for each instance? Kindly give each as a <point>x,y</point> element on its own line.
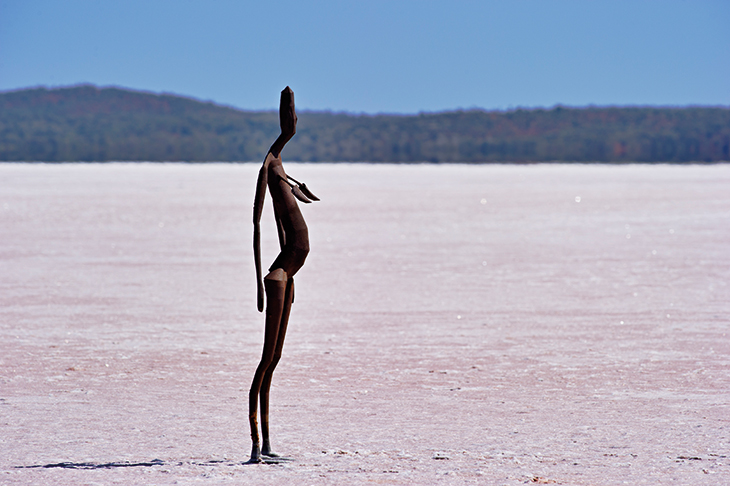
<point>279,282</point>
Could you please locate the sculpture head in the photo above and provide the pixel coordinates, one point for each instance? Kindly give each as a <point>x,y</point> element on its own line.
<point>287,113</point>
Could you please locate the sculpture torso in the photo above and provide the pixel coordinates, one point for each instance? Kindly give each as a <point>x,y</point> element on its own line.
<point>295,241</point>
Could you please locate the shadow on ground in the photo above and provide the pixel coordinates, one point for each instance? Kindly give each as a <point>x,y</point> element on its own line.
<point>153,462</point>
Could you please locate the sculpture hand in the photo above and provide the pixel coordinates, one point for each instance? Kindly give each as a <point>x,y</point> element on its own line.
<point>260,296</point>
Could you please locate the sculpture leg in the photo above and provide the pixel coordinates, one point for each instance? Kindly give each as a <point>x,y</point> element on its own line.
<point>266,383</point>
<point>275,284</point>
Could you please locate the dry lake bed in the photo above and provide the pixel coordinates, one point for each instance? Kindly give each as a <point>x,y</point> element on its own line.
<point>453,324</point>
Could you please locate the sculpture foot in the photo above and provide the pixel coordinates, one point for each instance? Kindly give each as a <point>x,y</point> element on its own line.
<point>266,450</point>
<point>255,455</point>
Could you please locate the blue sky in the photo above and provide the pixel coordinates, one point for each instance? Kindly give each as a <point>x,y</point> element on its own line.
<point>394,56</point>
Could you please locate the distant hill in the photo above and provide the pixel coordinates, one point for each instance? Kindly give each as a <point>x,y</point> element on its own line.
<point>86,123</point>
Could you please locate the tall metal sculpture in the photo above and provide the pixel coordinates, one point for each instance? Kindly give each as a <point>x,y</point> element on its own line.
<point>278,284</point>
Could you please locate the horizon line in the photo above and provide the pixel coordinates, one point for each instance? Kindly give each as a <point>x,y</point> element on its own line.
<point>362,113</point>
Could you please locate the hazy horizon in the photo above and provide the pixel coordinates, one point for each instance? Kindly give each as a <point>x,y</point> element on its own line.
<point>360,113</point>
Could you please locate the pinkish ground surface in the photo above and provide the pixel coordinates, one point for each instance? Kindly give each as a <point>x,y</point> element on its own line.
<point>453,325</point>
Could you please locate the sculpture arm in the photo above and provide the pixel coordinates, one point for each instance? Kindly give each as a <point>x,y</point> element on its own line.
<point>258,206</point>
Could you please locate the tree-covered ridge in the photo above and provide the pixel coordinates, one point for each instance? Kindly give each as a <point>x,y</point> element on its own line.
<point>86,123</point>
<point>90,124</point>
<point>565,134</point>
